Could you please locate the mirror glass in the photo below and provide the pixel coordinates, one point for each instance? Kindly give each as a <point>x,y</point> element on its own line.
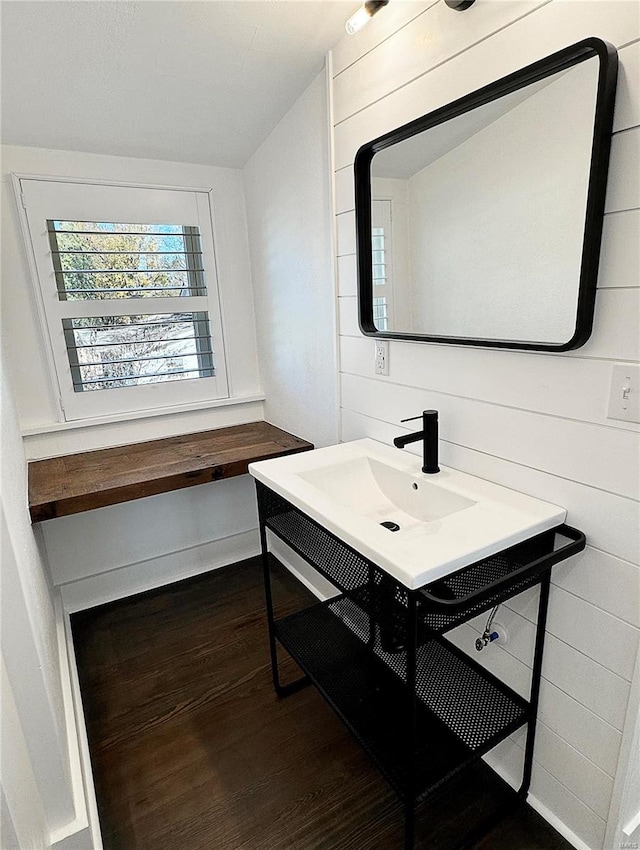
<point>476,225</point>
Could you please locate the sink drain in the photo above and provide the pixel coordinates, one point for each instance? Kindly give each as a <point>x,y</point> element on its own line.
<point>392,526</point>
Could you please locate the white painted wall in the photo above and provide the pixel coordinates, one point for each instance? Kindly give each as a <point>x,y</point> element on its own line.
<point>112,552</point>
<point>624,817</point>
<point>35,756</point>
<point>534,422</point>
<point>23,822</point>
<point>287,185</point>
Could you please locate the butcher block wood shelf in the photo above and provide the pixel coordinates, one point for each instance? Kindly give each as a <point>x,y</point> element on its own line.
<point>71,484</point>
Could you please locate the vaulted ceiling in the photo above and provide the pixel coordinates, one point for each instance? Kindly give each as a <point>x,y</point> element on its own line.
<point>184,80</point>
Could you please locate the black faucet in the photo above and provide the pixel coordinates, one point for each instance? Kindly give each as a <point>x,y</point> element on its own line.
<point>429,437</point>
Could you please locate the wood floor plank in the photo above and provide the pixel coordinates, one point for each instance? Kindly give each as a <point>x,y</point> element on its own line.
<point>191,749</point>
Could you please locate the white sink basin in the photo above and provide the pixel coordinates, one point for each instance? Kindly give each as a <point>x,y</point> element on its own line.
<point>445,521</point>
<point>385,493</point>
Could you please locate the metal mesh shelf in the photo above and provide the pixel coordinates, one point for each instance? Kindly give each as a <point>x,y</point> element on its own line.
<point>442,605</point>
<point>462,711</point>
<point>335,560</point>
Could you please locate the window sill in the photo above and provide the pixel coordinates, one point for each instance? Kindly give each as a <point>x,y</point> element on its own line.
<point>75,424</point>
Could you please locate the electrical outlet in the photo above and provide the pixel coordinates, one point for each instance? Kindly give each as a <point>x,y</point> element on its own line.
<point>382,357</point>
<point>624,393</point>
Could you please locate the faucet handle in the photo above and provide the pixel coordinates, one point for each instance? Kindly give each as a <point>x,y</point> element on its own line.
<point>432,414</point>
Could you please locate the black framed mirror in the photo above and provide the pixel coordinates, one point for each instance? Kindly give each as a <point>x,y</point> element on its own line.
<point>480,223</point>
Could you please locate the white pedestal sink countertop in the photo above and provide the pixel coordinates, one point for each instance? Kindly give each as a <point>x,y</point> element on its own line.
<point>446,521</point>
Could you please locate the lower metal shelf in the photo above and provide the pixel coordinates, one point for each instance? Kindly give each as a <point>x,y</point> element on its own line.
<point>461,710</point>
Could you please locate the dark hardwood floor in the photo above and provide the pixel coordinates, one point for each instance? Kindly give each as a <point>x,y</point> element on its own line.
<point>191,749</point>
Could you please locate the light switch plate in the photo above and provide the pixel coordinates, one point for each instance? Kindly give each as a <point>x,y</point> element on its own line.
<point>624,393</point>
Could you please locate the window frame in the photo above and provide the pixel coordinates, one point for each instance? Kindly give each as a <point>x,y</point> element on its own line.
<point>384,221</point>
<point>166,205</point>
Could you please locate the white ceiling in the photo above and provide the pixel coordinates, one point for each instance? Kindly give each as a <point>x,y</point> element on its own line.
<point>202,82</point>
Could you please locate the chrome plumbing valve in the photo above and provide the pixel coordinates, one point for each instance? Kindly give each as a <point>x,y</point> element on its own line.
<point>489,634</point>
<point>487,637</point>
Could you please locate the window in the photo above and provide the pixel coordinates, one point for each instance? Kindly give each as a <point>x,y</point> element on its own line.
<point>110,261</point>
<point>379,271</point>
<point>380,317</point>
<point>381,262</point>
<point>130,300</point>
<point>379,265</point>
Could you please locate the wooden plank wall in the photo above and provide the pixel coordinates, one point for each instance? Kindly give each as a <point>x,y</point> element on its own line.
<point>534,422</point>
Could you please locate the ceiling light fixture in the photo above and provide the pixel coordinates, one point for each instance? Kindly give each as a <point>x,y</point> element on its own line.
<point>364,14</point>
<point>459,5</point>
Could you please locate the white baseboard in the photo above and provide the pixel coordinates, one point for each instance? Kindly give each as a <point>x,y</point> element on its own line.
<point>559,826</point>
<point>508,764</point>
<point>83,832</point>
<point>156,572</point>
<point>305,574</point>
<point>74,836</point>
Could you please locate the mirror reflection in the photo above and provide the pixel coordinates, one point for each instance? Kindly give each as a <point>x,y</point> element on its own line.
<point>477,223</point>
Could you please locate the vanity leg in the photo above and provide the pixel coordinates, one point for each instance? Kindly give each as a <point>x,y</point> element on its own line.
<point>543,607</point>
<point>409,825</point>
<point>374,604</point>
<point>269,606</point>
<point>410,754</point>
<point>280,689</point>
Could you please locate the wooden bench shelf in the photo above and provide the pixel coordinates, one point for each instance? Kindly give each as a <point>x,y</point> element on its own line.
<point>71,484</point>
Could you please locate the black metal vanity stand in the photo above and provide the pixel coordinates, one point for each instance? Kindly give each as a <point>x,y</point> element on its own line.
<point>422,709</point>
